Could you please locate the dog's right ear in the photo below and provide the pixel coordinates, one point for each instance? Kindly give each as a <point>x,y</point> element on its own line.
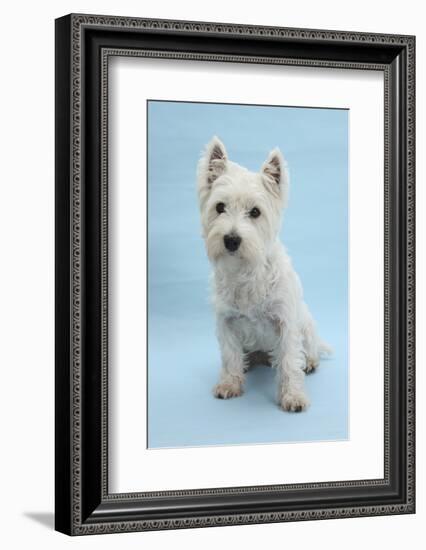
<point>211,165</point>
<point>213,162</point>
<point>216,159</point>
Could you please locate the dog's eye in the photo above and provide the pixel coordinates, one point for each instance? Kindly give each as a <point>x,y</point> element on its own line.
<point>254,212</point>
<point>220,207</point>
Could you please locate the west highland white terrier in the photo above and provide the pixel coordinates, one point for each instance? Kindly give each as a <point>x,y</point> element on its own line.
<point>257,293</point>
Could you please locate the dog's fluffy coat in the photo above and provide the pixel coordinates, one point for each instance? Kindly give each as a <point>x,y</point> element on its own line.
<point>257,293</point>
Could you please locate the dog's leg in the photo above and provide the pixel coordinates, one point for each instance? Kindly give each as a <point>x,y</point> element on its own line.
<point>314,347</point>
<point>289,361</point>
<point>232,373</point>
<point>310,341</point>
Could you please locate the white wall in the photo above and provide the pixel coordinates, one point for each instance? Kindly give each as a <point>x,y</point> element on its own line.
<point>26,301</point>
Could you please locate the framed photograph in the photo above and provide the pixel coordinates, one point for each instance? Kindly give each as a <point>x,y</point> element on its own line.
<point>234,274</point>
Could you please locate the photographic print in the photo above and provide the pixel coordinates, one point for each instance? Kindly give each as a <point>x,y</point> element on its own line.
<point>247,245</point>
<point>234,274</point>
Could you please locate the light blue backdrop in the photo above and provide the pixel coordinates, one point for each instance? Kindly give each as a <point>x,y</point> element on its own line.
<point>183,354</point>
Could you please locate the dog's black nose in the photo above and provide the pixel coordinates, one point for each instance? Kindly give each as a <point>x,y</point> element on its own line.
<point>232,242</point>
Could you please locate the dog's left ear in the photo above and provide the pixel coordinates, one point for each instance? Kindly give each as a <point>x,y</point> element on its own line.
<point>275,174</point>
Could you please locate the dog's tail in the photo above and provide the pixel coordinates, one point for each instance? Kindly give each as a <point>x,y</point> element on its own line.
<point>324,349</point>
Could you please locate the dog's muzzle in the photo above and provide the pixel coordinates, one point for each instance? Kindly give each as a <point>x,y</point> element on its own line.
<point>232,242</point>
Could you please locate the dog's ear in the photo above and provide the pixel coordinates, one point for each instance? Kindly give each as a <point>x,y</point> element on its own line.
<point>275,174</point>
<point>211,165</point>
<point>215,160</point>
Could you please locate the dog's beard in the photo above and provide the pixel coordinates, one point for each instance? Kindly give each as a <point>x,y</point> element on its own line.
<point>257,237</point>
<point>251,250</point>
<point>214,245</point>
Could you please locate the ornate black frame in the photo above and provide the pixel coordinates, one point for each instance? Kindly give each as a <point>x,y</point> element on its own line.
<point>83,46</point>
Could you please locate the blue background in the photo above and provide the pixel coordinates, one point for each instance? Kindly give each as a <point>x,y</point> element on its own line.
<point>183,354</point>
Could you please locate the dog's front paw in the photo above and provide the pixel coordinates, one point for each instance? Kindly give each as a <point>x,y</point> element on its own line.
<point>225,390</point>
<point>294,402</point>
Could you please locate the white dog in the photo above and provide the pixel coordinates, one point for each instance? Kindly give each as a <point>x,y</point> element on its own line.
<point>257,293</point>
